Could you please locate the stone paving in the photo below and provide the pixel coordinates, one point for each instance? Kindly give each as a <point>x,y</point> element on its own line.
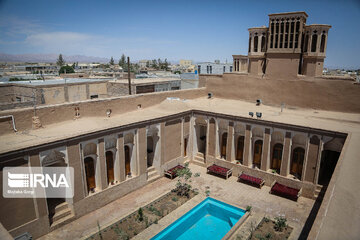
<point>230,191</point>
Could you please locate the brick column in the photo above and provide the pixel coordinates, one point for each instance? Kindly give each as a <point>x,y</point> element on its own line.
<point>101,181</point>
<point>207,140</point>
<point>119,166</point>
<point>321,148</point>
<point>265,160</point>
<point>229,142</point>
<point>40,202</point>
<point>312,159</point>
<point>182,142</point>
<point>212,138</point>
<point>75,159</point>
<point>285,162</point>
<point>247,146</point>
<point>162,145</point>
<point>142,154</point>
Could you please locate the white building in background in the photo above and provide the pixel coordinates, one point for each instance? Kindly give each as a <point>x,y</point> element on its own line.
<point>214,67</point>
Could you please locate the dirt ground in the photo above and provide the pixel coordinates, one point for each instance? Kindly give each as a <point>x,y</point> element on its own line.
<point>131,225</point>
<point>266,230</point>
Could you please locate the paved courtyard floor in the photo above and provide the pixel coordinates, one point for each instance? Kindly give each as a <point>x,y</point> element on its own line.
<point>231,191</point>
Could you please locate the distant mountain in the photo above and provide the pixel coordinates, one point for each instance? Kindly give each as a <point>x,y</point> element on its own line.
<point>49,58</point>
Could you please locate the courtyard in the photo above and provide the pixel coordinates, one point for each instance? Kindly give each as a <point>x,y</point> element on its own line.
<point>230,191</point>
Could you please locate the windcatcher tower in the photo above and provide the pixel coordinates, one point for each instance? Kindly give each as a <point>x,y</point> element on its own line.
<point>287,47</point>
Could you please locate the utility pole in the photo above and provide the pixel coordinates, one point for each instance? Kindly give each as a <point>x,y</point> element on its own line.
<point>129,80</point>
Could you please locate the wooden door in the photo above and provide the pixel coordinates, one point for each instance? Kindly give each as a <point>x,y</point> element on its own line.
<point>223,145</point>
<point>277,156</point>
<point>127,160</point>
<point>90,173</point>
<point>257,153</point>
<point>297,162</point>
<point>240,149</point>
<point>110,166</point>
<point>185,147</point>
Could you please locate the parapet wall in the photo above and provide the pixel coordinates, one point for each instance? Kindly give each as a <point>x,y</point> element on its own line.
<point>51,114</point>
<point>313,93</point>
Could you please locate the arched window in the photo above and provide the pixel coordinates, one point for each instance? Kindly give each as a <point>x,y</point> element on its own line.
<point>90,173</point>
<point>313,43</point>
<point>306,42</point>
<point>150,150</point>
<point>240,149</point>
<point>185,146</point>
<point>257,153</point>
<point>291,36</point>
<point>127,160</point>
<point>223,145</point>
<point>250,44</point>
<point>256,43</point>
<point>286,34</point>
<point>277,156</point>
<point>263,44</point>
<point>272,35</point>
<point>110,166</point>
<point>322,44</point>
<point>297,162</point>
<point>281,34</point>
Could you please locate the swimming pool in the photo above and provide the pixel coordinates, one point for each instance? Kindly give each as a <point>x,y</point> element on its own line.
<point>210,219</point>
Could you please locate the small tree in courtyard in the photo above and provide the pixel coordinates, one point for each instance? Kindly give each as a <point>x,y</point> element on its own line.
<point>183,186</point>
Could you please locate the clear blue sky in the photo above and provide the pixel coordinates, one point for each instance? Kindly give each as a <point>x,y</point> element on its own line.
<point>198,30</point>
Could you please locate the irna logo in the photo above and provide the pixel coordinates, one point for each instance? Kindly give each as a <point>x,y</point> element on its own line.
<point>18,180</point>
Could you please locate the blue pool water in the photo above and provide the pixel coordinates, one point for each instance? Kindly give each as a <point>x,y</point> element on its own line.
<point>210,219</point>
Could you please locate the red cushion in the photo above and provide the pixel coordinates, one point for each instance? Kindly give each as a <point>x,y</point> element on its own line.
<point>250,178</point>
<point>218,169</point>
<point>282,189</point>
<point>173,170</point>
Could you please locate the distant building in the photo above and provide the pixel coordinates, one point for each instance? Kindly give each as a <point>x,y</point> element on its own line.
<point>144,63</point>
<point>185,62</point>
<point>214,67</point>
<point>287,47</point>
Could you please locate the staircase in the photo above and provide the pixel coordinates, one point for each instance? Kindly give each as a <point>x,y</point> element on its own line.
<point>199,159</point>
<point>152,174</point>
<point>318,192</point>
<point>62,216</point>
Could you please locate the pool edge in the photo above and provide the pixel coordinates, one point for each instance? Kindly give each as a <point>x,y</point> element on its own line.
<point>232,230</point>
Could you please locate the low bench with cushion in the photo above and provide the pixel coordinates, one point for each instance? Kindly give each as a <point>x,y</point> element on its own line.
<point>172,172</point>
<point>251,180</point>
<point>285,191</point>
<point>222,171</point>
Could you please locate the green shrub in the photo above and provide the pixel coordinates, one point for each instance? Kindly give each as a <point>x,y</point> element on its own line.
<point>174,199</point>
<point>140,215</point>
<point>280,223</point>
<point>248,208</point>
<point>268,235</point>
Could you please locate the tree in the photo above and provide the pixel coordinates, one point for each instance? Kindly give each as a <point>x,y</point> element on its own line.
<point>160,65</point>
<point>183,186</point>
<point>122,61</point>
<point>166,65</point>
<point>73,66</point>
<point>154,64</point>
<point>60,61</point>
<point>66,69</point>
<point>112,62</point>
